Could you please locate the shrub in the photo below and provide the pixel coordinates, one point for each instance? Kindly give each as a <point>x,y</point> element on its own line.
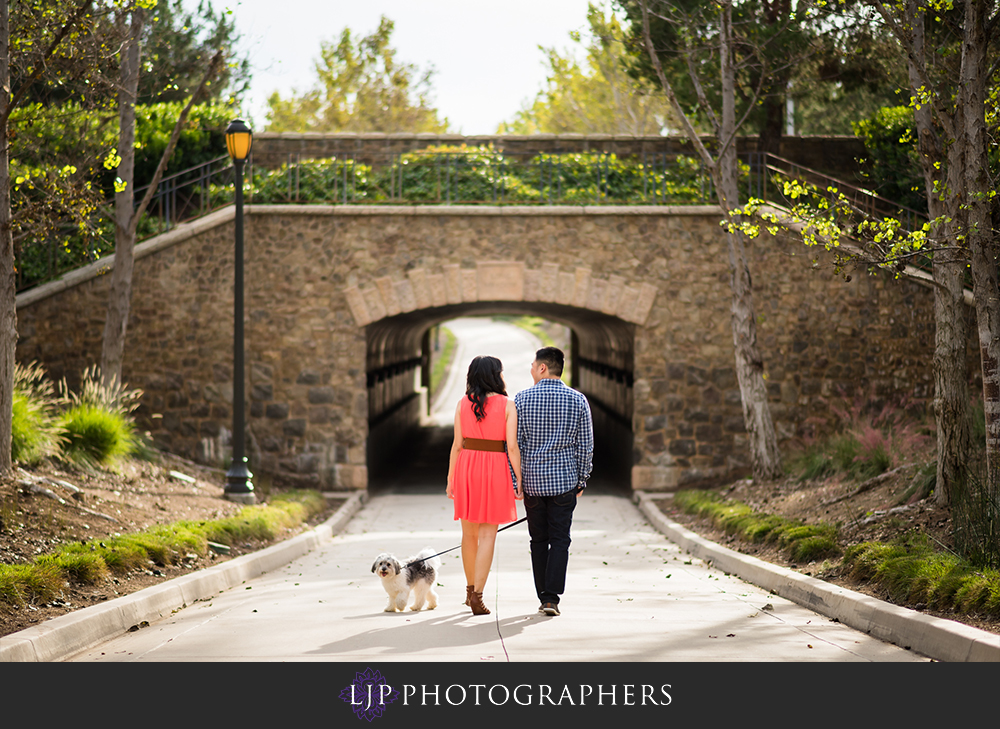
<point>98,423</point>
<point>35,430</point>
<point>90,562</point>
<point>911,569</point>
<point>800,542</point>
<point>96,436</point>
<point>868,439</point>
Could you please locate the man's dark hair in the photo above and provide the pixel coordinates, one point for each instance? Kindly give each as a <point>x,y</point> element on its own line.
<point>553,358</point>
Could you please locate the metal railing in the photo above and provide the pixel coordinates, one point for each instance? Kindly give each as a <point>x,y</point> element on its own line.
<point>472,177</point>
<point>476,177</point>
<point>768,173</point>
<point>179,197</point>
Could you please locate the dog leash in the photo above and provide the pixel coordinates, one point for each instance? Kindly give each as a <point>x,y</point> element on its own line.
<point>424,559</point>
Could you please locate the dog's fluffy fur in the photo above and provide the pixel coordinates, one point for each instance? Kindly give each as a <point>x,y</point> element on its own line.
<point>399,580</point>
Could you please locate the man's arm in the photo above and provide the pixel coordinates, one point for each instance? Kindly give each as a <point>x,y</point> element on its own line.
<point>584,446</point>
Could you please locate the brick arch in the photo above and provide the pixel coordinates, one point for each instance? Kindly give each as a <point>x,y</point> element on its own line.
<point>507,281</point>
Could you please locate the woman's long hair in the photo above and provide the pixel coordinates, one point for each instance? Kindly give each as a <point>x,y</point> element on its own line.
<point>483,378</point>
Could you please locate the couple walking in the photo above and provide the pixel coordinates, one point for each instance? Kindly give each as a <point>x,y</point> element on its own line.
<point>538,448</point>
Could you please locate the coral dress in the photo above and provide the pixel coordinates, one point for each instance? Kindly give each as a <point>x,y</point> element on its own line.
<point>483,486</point>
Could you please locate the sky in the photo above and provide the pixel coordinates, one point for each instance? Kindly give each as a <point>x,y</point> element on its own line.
<point>485,54</point>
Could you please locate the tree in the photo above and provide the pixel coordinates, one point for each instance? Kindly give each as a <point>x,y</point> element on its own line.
<point>597,99</point>
<point>362,87</point>
<point>856,70</point>
<point>37,48</point>
<point>684,23</point>
<point>178,46</point>
<point>127,214</point>
<point>953,92</point>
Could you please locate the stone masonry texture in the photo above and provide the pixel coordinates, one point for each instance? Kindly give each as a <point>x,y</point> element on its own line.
<point>337,297</point>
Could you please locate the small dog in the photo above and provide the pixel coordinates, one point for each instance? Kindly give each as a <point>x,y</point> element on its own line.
<point>399,580</point>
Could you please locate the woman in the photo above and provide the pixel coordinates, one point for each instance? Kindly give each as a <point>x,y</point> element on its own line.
<point>479,471</point>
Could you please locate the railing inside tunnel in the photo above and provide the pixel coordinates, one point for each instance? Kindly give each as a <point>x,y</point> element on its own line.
<point>390,388</point>
<point>608,387</point>
<point>609,392</point>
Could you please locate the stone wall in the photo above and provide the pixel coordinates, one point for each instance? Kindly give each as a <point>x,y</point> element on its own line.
<point>335,293</point>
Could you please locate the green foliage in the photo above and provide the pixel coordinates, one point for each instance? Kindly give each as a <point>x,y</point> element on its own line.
<point>95,435</point>
<point>202,138</point>
<point>597,97</point>
<point>891,165</point>
<point>975,518</point>
<point>36,433</point>
<point>444,358</point>
<point>484,175</point>
<point>361,87</point>
<point>800,542</point>
<point>24,583</point>
<point>864,441</point>
<point>590,177</point>
<point>164,545</point>
<point>912,570</point>
<point>177,45</point>
<point>324,180</point>
<point>97,421</point>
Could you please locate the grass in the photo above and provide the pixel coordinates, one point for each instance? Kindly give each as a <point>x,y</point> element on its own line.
<point>868,440</point>
<point>163,545</point>
<point>444,358</point>
<point>35,431</point>
<point>532,324</point>
<point>800,542</point>
<point>913,570</point>
<point>95,435</point>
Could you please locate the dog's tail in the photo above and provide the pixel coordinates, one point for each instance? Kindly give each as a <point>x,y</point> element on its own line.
<point>428,555</point>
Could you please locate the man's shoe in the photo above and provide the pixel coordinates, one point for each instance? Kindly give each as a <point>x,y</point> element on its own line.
<point>550,608</point>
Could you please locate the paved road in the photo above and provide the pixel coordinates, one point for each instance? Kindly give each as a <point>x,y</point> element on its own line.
<point>514,346</point>
<point>632,595</point>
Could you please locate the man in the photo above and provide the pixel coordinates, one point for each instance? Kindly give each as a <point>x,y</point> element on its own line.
<point>555,434</point>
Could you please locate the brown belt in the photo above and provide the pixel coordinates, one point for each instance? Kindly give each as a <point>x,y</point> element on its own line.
<point>481,444</point>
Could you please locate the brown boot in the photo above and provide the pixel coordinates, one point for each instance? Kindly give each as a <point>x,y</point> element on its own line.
<point>469,589</point>
<point>478,606</point>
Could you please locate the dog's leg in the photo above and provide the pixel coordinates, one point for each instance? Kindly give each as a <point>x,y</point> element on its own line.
<point>432,598</point>
<point>391,607</point>
<point>401,601</point>
<point>419,592</point>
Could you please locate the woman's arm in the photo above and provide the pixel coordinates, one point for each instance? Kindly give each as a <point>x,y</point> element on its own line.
<point>513,450</point>
<point>456,448</point>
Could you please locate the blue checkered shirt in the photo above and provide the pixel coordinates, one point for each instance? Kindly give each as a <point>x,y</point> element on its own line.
<point>555,433</point>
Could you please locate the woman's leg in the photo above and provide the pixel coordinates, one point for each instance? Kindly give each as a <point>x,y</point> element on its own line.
<point>470,547</point>
<point>484,554</point>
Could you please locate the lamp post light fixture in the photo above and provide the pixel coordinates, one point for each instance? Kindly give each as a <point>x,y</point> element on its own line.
<point>239,483</point>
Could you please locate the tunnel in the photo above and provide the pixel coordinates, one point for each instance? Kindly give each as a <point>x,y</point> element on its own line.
<point>406,453</point>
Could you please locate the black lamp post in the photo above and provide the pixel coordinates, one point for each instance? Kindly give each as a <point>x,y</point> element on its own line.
<point>239,484</point>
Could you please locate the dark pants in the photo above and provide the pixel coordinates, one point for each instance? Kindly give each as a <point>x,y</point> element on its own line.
<point>549,521</point>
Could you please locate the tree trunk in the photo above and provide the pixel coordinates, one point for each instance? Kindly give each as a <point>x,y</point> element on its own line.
<point>8,286</point>
<point>982,239</point>
<point>951,387</point>
<point>775,119</point>
<point>764,456</point>
<point>119,301</point>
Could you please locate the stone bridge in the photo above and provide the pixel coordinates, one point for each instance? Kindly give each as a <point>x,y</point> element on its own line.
<point>340,301</point>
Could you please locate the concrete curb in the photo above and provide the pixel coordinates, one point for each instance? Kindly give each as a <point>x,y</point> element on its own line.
<point>64,636</point>
<point>937,638</point>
